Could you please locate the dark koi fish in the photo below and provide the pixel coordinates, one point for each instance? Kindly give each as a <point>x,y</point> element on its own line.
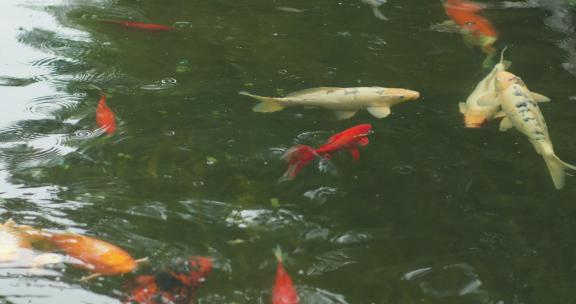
<point>105,118</point>
<point>283,291</point>
<point>175,285</point>
<point>350,139</point>
<point>140,25</point>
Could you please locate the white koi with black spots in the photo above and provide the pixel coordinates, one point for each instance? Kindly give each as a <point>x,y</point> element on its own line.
<point>521,110</point>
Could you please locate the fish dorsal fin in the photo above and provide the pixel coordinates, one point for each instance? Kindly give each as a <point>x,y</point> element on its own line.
<point>379,112</point>
<point>506,124</point>
<point>311,91</point>
<point>488,100</point>
<point>539,97</point>
<point>344,114</point>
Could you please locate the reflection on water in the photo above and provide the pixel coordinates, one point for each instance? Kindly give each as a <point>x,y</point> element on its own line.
<point>431,213</point>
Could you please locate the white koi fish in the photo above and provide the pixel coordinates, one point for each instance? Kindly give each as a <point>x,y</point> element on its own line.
<point>476,115</point>
<point>345,101</point>
<point>12,242</point>
<point>520,110</point>
<point>375,4</point>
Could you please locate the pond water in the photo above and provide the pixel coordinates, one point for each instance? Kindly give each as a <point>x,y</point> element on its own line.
<point>431,213</point>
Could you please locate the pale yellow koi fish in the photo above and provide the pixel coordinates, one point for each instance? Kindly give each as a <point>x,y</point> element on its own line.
<point>345,101</point>
<point>521,111</point>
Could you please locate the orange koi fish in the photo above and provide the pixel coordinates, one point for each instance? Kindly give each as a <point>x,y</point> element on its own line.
<point>176,285</point>
<point>98,256</point>
<point>476,30</point>
<point>105,118</point>
<point>283,291</point>
<point>350,139</point>
<point>140,25</point>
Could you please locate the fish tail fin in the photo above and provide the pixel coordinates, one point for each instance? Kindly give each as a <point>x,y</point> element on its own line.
<point>379,14</point>
<point>266,105</point>
<point>556,167</point>
<point>278,253</point>
<point>297,157</point>
<point>506,63</point>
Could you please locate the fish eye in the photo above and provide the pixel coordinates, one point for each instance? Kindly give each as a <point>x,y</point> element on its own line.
<point>470,22</point>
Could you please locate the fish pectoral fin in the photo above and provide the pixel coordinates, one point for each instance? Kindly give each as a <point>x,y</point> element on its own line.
<point>539,97</point>
<point>488,100</point>
<point>355,153</point>
<point>500,114</point>
<point>379,112</point>
<point>462,107</point>
<point>378,14</point>
<point>506,124</point>
<point>344,114</point>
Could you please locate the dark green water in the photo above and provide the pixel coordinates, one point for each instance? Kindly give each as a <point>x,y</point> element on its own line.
<point>432,212</point>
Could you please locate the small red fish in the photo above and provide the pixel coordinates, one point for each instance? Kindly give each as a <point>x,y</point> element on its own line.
<point>350,139</point>
<point>283,291</point>
<point>105,118</point>
<point>175,285</point>
<point>140,25</point>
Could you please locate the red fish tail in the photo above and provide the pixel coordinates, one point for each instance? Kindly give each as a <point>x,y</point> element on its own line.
<point>297,158</point>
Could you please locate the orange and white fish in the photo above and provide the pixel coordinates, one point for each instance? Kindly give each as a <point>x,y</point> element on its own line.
<point>345,101</point>
<point>521,111</point>
<point>475,29</point>
<point>105,118</point>
<point>283,291</point>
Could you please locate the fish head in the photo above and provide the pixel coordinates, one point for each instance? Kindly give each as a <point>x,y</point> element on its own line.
<point>474,120</point>
<point>506,79</point>
<point>401,95</point>
<point>358,132</point>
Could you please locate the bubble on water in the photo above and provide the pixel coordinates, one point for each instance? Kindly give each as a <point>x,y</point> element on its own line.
<point>168,80</point>
<point>84,134</point>
<point>169,133</point>
<point>404,169</point>
<point>198,183</point>
<point>182,24</point>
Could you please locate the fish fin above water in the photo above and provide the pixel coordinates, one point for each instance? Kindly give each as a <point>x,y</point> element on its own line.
<point>341,115</point>
<point>556,167</point>
<point>312,90</point>
<point>506,124</point>
<point>379,14</point>
<point>488,100</point>
<point>379,112</point>
<point>462,107</point>
<point>539,97</point>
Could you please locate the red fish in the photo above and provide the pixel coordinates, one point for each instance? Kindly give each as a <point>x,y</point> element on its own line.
<point>175,285</point>
<point>98,256</point>
<point>475,29</point>
<point>283,291</point>
<point>140,25</point>
<point>350,139</point>
<point>105,118</point>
